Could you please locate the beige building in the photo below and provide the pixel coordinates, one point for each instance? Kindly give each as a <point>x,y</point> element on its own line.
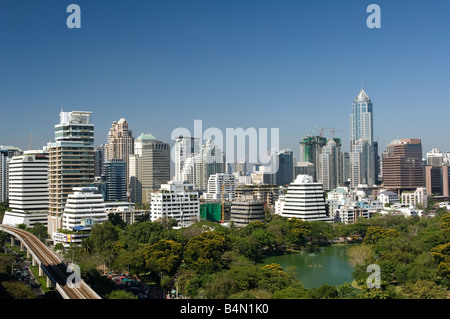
<point>120,141</point>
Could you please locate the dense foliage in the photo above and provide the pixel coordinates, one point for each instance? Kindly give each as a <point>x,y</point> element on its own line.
<point>207,260</point>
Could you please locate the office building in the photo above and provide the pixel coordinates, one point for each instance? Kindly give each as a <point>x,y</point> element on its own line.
<point>84,208</point>
<point>221,186</point>
<point>28,189</point>
<point>99,158</point>
<point>402,165</point>
<point>437,180</point>
<point>310,149</point>
<point>282,167</point>
<point>175,200</point>
<point>361,131</point>
<point>244,212</point>
<point>184,148</point>
<point>120,141</point>
<point>305,199</point>
<point>435,157</point>
<point>71,162</point>
<point>330,165</point>
<point>197,168</point>
<point>114,177</point>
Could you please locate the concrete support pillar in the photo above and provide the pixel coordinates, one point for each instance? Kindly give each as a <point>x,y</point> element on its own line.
<point>49,283</point>
<point>41,272</point>
<point>21,246</point>
<point>33,261</point>
<point>13,241</point>
<point>28,253</point>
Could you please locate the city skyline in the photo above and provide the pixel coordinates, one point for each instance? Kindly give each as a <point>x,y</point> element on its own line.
<point>292,66</point>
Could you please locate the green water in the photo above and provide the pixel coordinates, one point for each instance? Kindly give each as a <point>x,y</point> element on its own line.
<point>325,265</point>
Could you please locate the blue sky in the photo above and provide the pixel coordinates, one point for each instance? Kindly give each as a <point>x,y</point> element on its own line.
<point>288,64</point>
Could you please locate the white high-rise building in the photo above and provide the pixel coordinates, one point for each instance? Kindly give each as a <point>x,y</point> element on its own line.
<point>185,147</point>
<point>28,189</point>
<point>221,184</point>
<point>175,200</point>
<point>197,168</point>
<point>305,199</point>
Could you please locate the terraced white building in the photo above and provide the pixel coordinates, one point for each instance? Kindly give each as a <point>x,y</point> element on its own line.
<point>305,199</point>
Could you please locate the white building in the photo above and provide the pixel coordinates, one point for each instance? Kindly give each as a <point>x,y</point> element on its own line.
<point>175,200</point>
<point>305,199</point>
<point>418,197</point>
<point>84,207</point>
<point>28,189</point>
<point>221,184</point>
<point>388,197</point>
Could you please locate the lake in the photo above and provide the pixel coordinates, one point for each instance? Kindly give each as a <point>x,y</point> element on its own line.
<point>324,265</point>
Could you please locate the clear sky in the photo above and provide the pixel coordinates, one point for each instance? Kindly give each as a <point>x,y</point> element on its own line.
<point>288,64</point>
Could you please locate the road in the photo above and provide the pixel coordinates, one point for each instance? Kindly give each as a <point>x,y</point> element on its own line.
<point>55,267</point>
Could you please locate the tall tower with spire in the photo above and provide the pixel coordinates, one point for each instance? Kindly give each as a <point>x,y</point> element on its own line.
<point>361,132</point>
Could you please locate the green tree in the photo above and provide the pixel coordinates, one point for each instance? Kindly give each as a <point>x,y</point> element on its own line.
<point>164,256</point>
<point>18,290</point>
<point>321,232</point>
<point>360,255</point>
<point>297,231</point>
<point>323,292</point>
<point>104,237</point>
<point>121,294</point>
<point>203,253</point>
<point>40,231</point>
<point>424,289</point>
<point>374,234</point>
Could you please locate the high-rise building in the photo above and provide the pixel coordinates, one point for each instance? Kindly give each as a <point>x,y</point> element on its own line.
<point>71,161</point>
<point>221,185</point>
<point>282,172</point>
<point>99,158</point>
<point>114,176</point>
<point>6,153</point>
<point>175,200</point>
<point>120,141</point>
<point>148,168</point>
<point>197,168</point>
<point>185,147</point>
<point>135,178</point>
<point>437,180</point>
<point>329,161</point>
<point>310,148</point>
<point>435,157</point>
<point>361,129</point>
<point>359,163</point>
<point>305,199</point>
<point>28,189</point>
<point>402,165</point>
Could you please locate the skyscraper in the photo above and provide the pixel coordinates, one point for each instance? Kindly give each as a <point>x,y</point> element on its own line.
<point>149,167</point>
<point>114,176</point>
<point>361,129</point>
<point>120,141</point>
<point>310,148</point>
<point>402,165</point>
<point>329,165</point>
<point>198,167</point>
<point>185,147</point>
<point>71,161</point>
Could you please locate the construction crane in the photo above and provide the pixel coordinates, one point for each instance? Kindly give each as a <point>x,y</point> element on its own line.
<point>334,130</point>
